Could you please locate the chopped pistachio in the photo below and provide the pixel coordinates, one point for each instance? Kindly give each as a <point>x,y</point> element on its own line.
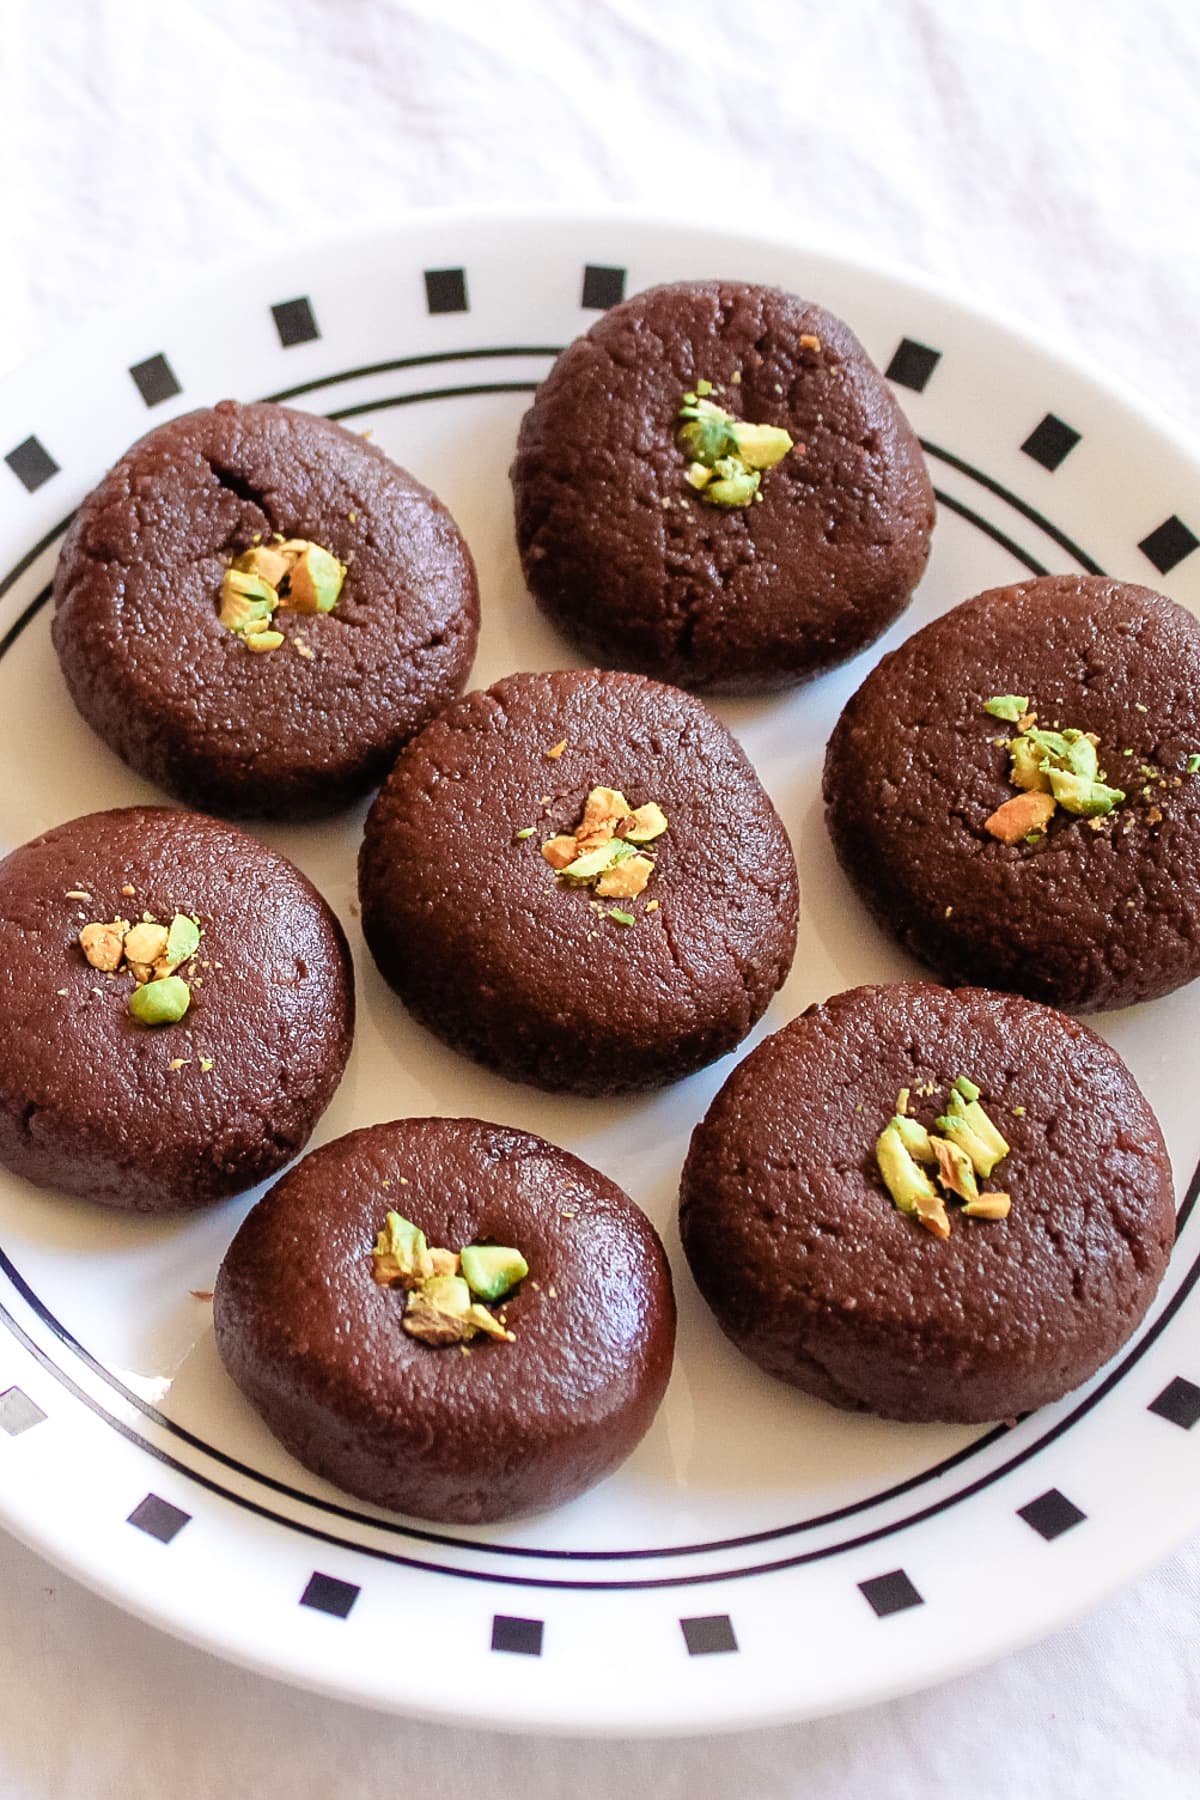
<point>966,1087</point>
<point>644,824</point>
<point>698,475</point>
<point>526,832</point>
<point>1081,757</point>
<point>915,1138</point>
<point>604,810</point>
<point>989,1206</point>
<point>559,851</point>
<point>1193,762</point>
<point>967,1124</point>
<point>146,943</point>
<point>556,750</point>
<point>1026,812</point>
<point>956,1171</point>
<point>401,1254</point>
<point>904,1179</point>
<point>761,446</point>
<point>1007,706</point>
<point>1026,766</point>
<point>706,435</point>
<point>315,580</point>
<point>264,640</point>
<point>444,1262</point>
<point>731,485</point>
<point>621,918</point>
<point>1084,796</point>
<point>161,1002</point>
<point>183,941</point>
<point>245,598</point>
<point>626,880</point>
<point>104,945</point>
<point>265,561</point>
<point>595,862</point>
<point>437,1311</point>
<point>441,1311</point>
<point>488,1323</point>
<point>492,1270</point>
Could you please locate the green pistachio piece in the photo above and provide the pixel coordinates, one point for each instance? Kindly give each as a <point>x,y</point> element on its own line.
<point>1028,766</point>
<point>1081,756</point>
<point>732,485</point>
<point>958,1132</point>
<point>161,1002</point>
<point>183,940</point>
<point>1007,706</point>
<point>1051,743</point>
<point>621,918</point>
<point>244,599</point>
<point>968,1125</point>
<point>915,1138</point>
<point>401,1254</point>
<point>707,431</point>
<point>698,475</point>
<point>964,1086</point>
<point>1086,798</point>
<point>492,1270</point>
<point>646,823</point>
<point>594,862</point>
<point>315,581</point>
<point>760,446</point>
<point>1193,762</point>
<point>904,1179</point>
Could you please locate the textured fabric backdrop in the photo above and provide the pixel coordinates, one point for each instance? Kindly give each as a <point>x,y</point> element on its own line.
<point>1040,154</point>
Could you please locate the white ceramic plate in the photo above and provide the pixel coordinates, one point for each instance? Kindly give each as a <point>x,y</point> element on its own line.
<point>761,1557</point>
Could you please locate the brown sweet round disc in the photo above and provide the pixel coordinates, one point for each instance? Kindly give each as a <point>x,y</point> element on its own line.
<point>308,726</point>
<point>1091,914</point>
<point>316,1343</point>
<point>553,984</point>
<point>644,574</point>
<point>166,1117</point>
<point>819,1278</point>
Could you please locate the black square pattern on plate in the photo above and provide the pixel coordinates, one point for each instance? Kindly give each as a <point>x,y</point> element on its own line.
<point>295,322</point>
<point>446,290</point>
<point>602,287</point>
<point>1051,1514</point>
<point>1050,442</point>
<point>18,1412</point>
<point>912,364</point>
<point>155,380</point>
<point>325,1593</point>
<point>710,1636</point>
<point>31,463</point>
<point>158,1518</point>
<point>890,1593</point>
<point>1179,1403</point>
<point>1168,544</point>
<point>521,1637</point>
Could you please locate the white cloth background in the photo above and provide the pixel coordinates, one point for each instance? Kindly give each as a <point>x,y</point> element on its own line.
<point>1041,154</point>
